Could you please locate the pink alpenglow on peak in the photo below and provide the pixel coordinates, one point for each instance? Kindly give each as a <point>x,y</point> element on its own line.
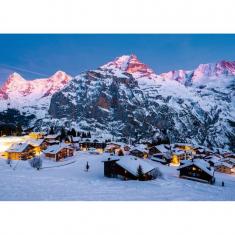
<point>130,64</point>
<point>16,86</point>
<point>214,70</point>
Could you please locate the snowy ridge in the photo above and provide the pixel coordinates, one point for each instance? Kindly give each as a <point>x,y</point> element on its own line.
<point>31,96</point>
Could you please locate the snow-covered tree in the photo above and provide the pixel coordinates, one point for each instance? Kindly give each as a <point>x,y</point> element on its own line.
<point>9,161</point>
<point>73,132</point>
<point>51,132</point>
<point>36,163</point>
<point>63,134</point>
<point>140,173</point>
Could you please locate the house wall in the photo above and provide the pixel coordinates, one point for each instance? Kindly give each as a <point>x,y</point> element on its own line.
<point>223,169</point>
<point>27,154</point>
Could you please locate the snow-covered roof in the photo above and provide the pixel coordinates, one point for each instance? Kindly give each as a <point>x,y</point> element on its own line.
<point>56,148</point>
<point>224,164</point>
<point>131,164</point>
<point>77,138</point>
<point>230,160</point>
<point>162,148</point>
<point>51,136</point>
<point>18,148</point>
<point>178,152</point>
<point>214,159</point>
<point>112,158</point>
<point>35,143</point>
<point>205,166</point>
<point>183,144</point>
<point>139,147</point>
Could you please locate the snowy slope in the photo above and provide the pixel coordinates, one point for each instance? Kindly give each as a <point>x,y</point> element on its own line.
<point>72,182</point>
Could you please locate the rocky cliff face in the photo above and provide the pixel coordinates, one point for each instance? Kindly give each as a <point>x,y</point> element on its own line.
<point>113,99</point>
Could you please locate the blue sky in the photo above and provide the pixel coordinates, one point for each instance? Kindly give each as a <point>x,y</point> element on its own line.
<point>35,56</point>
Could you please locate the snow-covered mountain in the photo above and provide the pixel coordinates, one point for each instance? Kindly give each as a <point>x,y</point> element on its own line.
<point>127,98</point>
<point>129,64</point>
<point>31,96</point>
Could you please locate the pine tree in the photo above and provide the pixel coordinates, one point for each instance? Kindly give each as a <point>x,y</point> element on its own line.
<point>89,134</point>
<point>62,134</point>
<point>73,132</point>
<point>51,132</point>
<point>140,173</point>
<point>19,130</point>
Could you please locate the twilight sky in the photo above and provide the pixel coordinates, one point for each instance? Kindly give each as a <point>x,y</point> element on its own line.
<point>41,55</point>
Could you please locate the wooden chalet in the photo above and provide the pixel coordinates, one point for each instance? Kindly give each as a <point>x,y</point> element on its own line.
<point>58,152</point>
<point>164,159</point>
<point>162,149</point>
<point>224,167</point>
<point>52,139</point>
<point>197,169</point>
<point>126,168</point>
<point>39,145</point>
<point>117,148</point>
<point>21,151</point>
<point>88,143</point>
<point>140,151</point>
<point>177,156</point>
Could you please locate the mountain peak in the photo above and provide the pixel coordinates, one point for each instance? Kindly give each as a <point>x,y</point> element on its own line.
<point>130,64</point>
<point>15,77</point>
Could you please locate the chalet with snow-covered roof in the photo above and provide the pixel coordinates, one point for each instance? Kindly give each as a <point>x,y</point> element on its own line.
<point>224,167</point>
<point>197,169</point>
<point>162,148</point>
<point>38,144</point>
<point>117,148</point>
<point>127,168</point>
<point>177,155</point>
<point>161,158</point>
<point>140,151</point>
<point>58,152</point>
<point>21,151</point>
<point>52,139</point>
<point>87,143</point>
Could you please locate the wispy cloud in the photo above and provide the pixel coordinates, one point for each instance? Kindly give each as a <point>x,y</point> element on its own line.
<point>16,69</point>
